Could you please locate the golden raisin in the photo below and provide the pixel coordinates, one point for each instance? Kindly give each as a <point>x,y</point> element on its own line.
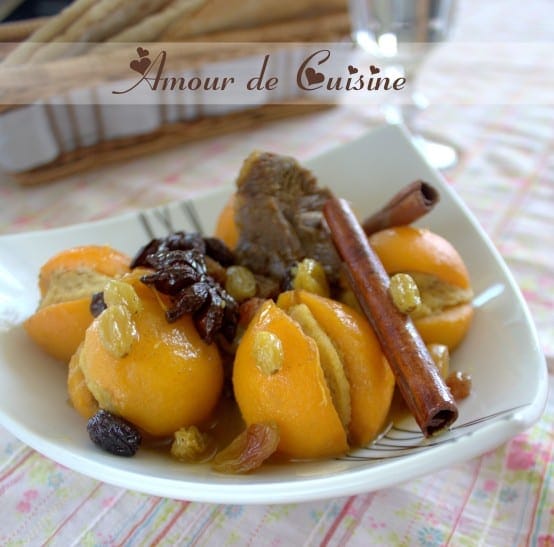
<point>118,293</point>
<point>249,449</point>
<point>116,330</point>
<point>240,283</point>
<point>404,293</point>
<point>191,445</point>
<point>310,276</point>
<point>268,352</point>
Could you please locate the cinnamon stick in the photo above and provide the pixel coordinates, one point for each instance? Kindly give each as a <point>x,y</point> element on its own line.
<point>405,207</point>
<point>417,377</point>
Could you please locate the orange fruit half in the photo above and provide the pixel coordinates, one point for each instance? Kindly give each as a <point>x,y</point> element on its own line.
<point>102,259</point>
<point>66,283</point>
<point>226,228</point>
<point>165,379</point>
<point>314,367</point>
<point>441,275</point>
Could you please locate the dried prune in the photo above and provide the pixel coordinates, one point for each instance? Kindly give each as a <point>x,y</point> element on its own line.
<point>177,241</point>
<point>216,249</point>
<point>97,304</point>
<point>209,319</point>
<point>172,280</point>
<point>174,259</point>
<point>184,241</point>
<point>190,299</point>
<point>183,275</point>
<point>181,272</point>
<point>113,434</point>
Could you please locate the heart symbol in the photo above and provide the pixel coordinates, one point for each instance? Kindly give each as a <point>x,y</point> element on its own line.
<point>374,69</point>
<point>313,76</point>
<point>140,66</point>
<point>352,69</point>
<point>142,52</point>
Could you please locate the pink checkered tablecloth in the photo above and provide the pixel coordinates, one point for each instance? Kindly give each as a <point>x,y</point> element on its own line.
<point>506,177</point>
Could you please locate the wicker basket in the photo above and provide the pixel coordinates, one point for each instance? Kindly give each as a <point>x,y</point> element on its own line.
<point>63,146</point>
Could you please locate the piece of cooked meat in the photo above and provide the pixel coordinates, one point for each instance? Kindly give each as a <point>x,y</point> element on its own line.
<point>278,215</point>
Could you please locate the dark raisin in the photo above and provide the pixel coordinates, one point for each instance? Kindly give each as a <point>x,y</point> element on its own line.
<point>184,241</point>
<point>172,259</point>
<point>177,241</point>
<point>172,280</point>
<point>97,304</point>
<point>230,321</point>
<point>190,299</point>
<point>113,434</point>
<point>180,264</point>
<point>208,321</point>
<point>216,249</point>
<point>141,258</point>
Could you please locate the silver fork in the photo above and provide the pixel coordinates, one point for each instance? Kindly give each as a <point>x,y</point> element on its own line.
<point>162,216</point>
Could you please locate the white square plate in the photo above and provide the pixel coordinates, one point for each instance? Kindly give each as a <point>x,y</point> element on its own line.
<point>501,351</point>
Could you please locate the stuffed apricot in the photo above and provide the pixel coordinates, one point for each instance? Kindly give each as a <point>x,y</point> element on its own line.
<point>66,283</point>
<point>159,376</point>
<point>445,314</point>
<point>314,367</point>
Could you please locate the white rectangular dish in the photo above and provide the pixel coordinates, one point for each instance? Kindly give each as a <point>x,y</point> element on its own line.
<point>501,352</point>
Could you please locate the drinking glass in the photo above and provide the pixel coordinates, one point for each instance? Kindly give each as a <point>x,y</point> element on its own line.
<point>400,34</point>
